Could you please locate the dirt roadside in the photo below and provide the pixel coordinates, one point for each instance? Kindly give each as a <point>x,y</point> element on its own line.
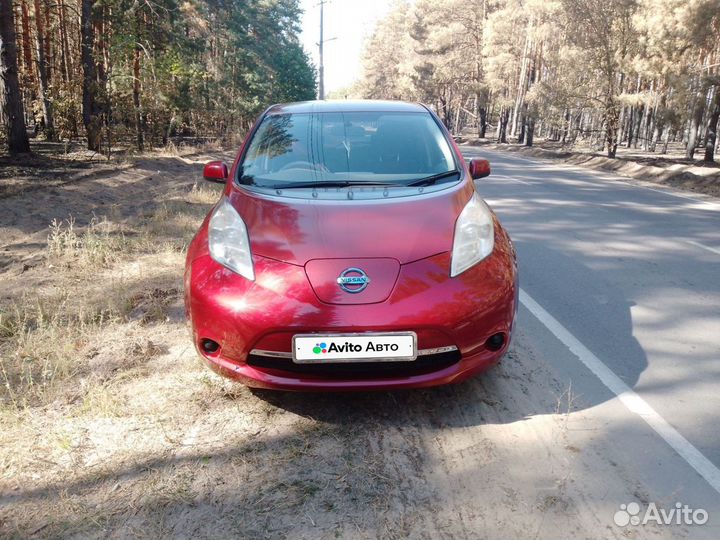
<point>112,428</point>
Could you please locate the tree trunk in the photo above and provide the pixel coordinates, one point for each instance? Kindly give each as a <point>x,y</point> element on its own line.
<point>529,130</point>
<point>622,124</point>
<point>100,50</point>
<point>482,127</point>
<point>659,117</point>
<point>457,126</point>
<point>712,127</point>
<point>48,43</point>
<point>522,82</point>
<point>611,128</point>
<point>106,82</point>
<point>476,109</point>
<point>136,98</point>
<point>695,120</point>
<point>66,57</point>
<point>12,100</point>
<point>666,141</point>
<point>593,134</point>
<point>640,123</point>
<point>657,132</point>
<point>649,124</point>
<point>91,112</point>
<point>42,66</point>
<point>502,125</point>
<point>444,110</point>
<point>25,42</point>
<point>630,125</point>
<point>3,120</point>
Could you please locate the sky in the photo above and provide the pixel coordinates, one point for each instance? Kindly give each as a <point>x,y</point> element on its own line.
<point>351,22</point>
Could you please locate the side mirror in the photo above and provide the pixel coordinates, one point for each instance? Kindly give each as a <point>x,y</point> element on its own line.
<point>479,168</point>
<point>215,171</point>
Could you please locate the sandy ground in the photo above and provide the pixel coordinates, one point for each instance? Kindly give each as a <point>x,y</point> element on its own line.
<point>138,439</point>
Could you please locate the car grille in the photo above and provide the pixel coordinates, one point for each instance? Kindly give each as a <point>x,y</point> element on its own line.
<point>367,370</point>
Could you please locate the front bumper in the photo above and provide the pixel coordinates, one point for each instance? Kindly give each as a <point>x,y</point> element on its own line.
<point>243,316</point>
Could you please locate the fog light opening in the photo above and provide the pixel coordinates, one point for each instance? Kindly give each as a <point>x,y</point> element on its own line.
<point>495,342</point>
<point>209,346</point>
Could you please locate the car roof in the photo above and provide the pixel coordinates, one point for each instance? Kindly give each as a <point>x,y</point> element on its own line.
<point>343,105</point>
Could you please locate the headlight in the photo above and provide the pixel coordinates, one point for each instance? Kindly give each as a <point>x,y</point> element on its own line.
<point>474,236</point>
<point>228,240</point>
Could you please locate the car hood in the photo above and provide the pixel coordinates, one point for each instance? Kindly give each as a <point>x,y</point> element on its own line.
<point>297,230</point>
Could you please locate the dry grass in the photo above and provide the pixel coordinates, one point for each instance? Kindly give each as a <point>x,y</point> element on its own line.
<point>209,146</point>
<point>203,193</point>
<point>99,245</point>
<point>100,278</point>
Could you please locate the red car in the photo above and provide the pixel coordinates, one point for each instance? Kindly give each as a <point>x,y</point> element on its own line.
<point>350,250</point>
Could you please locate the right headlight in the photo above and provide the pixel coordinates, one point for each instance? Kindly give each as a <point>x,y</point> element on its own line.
<point>228,240</point>
<point>474,236</point>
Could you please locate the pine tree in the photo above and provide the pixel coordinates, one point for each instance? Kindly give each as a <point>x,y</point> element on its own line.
<point>11,98</point>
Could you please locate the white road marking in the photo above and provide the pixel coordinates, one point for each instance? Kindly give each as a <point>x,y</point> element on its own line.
<point>632,401</point>
<point>708,248</point>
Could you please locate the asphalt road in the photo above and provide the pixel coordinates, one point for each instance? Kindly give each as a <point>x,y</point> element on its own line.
<point>621,295</point>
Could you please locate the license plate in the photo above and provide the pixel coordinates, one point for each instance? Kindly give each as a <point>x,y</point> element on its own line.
<point>335,348</point>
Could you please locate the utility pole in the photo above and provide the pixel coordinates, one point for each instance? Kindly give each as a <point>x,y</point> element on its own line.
<point>321,84</point>
<point>321,70</point>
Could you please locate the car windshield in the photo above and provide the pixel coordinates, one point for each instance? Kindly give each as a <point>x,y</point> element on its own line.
<point>338,149</point>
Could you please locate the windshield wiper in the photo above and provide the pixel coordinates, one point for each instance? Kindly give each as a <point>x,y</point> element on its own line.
<point>430,180</point>
<point>328,184</point>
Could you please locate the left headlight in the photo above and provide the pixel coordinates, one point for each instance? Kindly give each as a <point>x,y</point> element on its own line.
<point>474,236</point>
<point>228,240</point>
